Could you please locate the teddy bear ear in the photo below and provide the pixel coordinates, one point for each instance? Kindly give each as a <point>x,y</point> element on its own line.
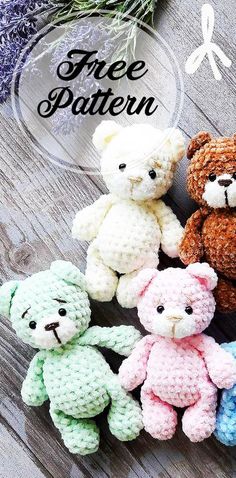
<point>68,272</point>
<point>197,142</point>
<point>175,141</point>
<point>204,274</point>
<point>7,292</point>
<point>142,281</point>
<point>104,133</point>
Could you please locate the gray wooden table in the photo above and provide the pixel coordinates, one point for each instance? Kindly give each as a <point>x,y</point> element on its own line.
<point>38,202</point>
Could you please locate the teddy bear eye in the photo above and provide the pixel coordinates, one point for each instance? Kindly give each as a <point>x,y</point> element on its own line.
<point>122,166</point>
<point>160,309</point>
<point>32,324</point>
<point>212,177</point>
<point>152,174</point>
<point>234,175</point>
<point>188,310</point>
<point>62,312</point>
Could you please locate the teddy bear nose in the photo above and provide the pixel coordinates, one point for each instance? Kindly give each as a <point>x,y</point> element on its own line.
<point>174,318</point>
<point>52,326</point>
<point>135,179</point>
<point>225,182</point>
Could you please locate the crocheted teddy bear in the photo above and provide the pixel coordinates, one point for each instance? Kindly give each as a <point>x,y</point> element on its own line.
<point>128,225</point>
<point>50,311</point>
<point>226,416</point>
<point>180,366</point>
<point>210,233</point>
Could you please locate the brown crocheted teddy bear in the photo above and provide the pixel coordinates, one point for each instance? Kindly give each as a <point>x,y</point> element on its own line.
<point>210,233</point>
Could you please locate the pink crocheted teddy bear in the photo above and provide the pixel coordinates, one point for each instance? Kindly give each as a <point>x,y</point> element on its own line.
<point>177,364</point>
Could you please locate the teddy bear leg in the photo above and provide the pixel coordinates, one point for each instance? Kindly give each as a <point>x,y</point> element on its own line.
<point>159,418</point>
<point>225,295</point>
<point>199,419</point>
<point>124,293</point>
<point>101,280</point>
<point>225,430</point>
<point>79,435</point>
<point>125,415</point>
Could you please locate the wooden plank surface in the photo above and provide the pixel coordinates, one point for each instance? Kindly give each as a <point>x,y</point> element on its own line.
<point>15,458</point>
<point>38,203</point>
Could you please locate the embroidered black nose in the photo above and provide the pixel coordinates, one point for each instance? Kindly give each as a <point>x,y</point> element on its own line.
<point>225,182</point>
<point>52,326</point>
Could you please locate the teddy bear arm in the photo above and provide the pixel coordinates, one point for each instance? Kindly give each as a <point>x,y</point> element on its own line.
<point>191,246</point>
<point>87,222</point>
<point>220,364</point>
<point>33,389</point>
<point>121,339</point>
<point>171,229</point>
<point>132,372</point>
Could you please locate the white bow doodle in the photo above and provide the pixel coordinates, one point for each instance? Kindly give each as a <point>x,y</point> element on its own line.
<point>208,47</point>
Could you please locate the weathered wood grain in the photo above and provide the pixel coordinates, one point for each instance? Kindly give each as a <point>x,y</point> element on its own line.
<point>15,458</point>
<point>38,201</point>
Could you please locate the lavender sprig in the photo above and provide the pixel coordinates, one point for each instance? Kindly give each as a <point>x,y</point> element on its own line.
<point>18,23</point>
<point>125,33</point>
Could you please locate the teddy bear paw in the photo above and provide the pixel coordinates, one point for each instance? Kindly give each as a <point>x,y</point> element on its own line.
<point>160,424</point>
<point>82,438</point>
<point>198,426</point>
<point>101,288</point>
<point>125,419</point>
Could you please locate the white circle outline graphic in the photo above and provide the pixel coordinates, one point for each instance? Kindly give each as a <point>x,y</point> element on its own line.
<point>39,35</point>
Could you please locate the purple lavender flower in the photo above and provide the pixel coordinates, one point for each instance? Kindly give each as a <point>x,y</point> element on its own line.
<point>18,23</point>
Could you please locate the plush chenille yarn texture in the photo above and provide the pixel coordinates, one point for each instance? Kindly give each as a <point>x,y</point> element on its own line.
<point>177,364</point>
<point>210,233</point>
<point>50,311</point>
<point>127,227</point>
<point>226,415</point>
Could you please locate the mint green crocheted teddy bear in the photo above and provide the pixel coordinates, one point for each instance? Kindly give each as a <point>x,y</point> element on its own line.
<point>50,311</point>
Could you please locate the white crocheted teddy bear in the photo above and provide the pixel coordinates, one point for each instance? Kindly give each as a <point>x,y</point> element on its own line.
<point>128,226</point>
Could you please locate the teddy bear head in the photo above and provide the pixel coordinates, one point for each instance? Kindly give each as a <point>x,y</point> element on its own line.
<point>211,177</point>
<point>138,161</point>
<point>176,303</point>
<point>49,308</point>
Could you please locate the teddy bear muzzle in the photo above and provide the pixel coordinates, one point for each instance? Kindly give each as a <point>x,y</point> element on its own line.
<point>173,319</point>
<point>220,191</point>
<point>173,323</point>
<point>53,331</point>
